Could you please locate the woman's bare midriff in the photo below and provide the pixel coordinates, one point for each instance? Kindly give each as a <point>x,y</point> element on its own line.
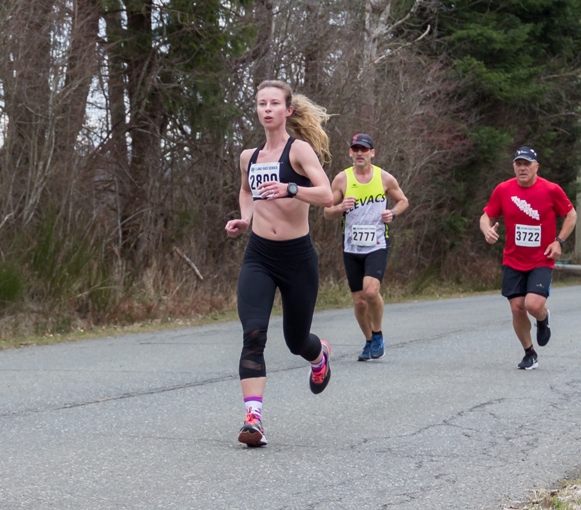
<point>280,220</point>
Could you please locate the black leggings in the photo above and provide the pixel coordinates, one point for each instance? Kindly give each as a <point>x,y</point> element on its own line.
<point>293,267</point>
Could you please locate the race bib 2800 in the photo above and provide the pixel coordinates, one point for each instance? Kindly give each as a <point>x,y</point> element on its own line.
<point>262,172</point>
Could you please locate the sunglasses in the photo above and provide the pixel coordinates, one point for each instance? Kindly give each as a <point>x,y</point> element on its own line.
<point>360,148</point>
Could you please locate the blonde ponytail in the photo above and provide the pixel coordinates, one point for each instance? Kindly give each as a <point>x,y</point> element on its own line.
<point>306,121</point>
<point>306,124</point>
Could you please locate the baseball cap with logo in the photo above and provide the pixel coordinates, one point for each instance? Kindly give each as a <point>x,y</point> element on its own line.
<point>363,140</point>
<point>525,153</point>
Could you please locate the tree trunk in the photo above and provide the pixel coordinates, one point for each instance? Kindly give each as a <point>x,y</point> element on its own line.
<point>146,121</point>
<point>313,75</point>
<point>261,54</point>
<point>376,22</point>
<point>116,183</point>
<point>25,79</point>
<point>81,68</point>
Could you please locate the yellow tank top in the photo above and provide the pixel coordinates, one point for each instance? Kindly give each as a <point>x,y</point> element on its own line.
<point>363,229</point>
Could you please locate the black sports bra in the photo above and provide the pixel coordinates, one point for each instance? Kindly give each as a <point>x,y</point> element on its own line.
<point>281,171</point>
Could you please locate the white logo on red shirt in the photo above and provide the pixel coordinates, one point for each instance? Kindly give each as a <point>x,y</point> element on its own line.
<point>525,207</point>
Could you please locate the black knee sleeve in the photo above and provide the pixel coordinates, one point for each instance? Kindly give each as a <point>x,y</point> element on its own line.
<point>311,349</point>
<point>252,362</point>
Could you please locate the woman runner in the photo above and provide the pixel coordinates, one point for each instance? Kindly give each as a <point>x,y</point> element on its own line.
<point>280,180</point>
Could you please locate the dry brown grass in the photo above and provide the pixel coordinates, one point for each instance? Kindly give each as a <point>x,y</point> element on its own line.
<point>567,497</point>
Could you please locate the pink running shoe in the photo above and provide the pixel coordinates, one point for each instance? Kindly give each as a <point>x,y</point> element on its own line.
<point>319,380</point>
<point>252,432</point>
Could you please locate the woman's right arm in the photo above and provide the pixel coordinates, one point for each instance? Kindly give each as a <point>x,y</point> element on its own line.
<point>236,227</point>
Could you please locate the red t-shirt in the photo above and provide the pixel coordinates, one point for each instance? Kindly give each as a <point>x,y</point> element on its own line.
<point>530,217</point>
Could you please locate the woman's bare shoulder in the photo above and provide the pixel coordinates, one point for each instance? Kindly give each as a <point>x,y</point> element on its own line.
<point>245,156</point>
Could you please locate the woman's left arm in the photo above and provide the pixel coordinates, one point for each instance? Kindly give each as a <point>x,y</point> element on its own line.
<point>305,161</point>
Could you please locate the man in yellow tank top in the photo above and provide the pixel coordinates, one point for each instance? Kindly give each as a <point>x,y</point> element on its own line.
<point>360,197</point>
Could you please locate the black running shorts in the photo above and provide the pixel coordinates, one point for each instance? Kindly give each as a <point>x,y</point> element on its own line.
<point>357,266</point>
<point>520,283</point>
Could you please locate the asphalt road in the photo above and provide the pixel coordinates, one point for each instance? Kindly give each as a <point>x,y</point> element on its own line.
<point>444,421</point>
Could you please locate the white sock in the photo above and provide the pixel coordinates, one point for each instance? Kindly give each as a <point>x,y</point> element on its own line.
<point>253,405</point>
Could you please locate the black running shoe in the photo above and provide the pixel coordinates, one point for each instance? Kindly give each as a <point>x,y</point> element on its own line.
<point>252,432</point>
<point>529,362</point>
<point>544,331</point>
<point>318,380</point>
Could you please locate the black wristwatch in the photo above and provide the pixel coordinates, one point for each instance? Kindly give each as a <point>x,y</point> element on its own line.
<point>292,189</point>
<point>559,240</point>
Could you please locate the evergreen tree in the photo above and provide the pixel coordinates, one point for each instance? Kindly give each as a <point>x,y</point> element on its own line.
<point>518,62</point>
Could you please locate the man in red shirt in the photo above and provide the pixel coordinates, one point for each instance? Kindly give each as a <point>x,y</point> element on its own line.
<point>530,206</point>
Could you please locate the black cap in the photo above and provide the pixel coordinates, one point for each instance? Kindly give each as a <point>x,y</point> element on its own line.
<point>363,140</point>
<point>525,153</point>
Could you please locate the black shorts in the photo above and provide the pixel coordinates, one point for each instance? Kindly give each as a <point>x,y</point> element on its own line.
<point>357,266</point>
<point>520,283</point>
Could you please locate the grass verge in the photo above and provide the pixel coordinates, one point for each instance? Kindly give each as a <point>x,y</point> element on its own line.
<point>332,295</point>
<point>566,497</point>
